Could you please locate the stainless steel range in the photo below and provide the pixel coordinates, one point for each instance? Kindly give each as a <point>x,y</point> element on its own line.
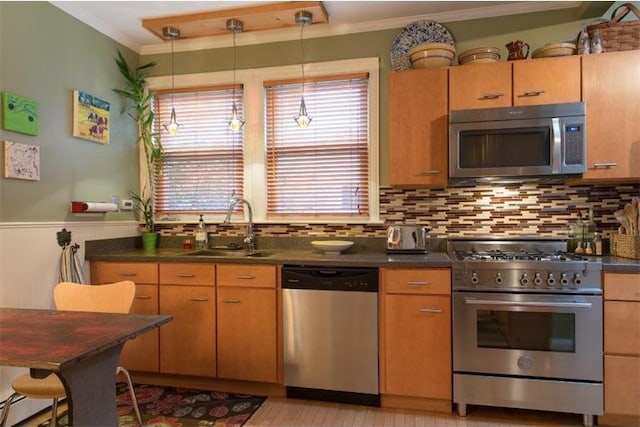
<point>527,327</point>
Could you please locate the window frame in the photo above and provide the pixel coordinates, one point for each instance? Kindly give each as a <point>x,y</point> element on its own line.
<point>254,151</point>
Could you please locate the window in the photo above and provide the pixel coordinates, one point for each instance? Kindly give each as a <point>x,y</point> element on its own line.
<point>321,170</point>
<point>203,163</point>
<point>206,163</point>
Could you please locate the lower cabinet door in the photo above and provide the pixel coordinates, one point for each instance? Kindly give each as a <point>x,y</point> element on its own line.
<point>142,352</point>
<point>417,339</point>
<point>622,385</point>
<point>188,341</point>
<point>247,345</point>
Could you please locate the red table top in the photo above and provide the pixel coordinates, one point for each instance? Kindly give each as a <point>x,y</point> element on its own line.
<point>53,339</point>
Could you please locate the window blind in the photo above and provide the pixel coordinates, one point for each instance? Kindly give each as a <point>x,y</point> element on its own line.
<point>320,171</point>
<point>203,163</point>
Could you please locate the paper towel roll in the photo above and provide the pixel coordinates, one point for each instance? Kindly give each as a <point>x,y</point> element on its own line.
<point>81,207</point>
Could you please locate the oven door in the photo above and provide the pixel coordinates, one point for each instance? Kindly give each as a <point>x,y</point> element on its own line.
<point>532,335</point>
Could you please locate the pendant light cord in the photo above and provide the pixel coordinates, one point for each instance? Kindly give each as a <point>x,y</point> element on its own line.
<point>173,76</point>
<point>302,54</point>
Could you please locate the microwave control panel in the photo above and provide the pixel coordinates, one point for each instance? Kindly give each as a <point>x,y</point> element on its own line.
<point>574,144</point>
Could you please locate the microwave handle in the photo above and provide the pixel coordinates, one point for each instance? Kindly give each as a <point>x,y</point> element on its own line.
<point>556,138</point>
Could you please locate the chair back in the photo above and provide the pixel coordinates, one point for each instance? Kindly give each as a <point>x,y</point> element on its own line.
<point>109,298</point>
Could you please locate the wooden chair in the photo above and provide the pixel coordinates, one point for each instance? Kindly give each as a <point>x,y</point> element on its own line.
<point>110,298</point>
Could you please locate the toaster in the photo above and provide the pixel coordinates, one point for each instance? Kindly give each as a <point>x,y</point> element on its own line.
<point>411,239</point>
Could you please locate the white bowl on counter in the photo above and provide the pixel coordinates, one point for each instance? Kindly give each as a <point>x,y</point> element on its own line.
<point>332,246</point>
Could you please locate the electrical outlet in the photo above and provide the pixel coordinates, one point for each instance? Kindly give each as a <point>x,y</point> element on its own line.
<point>126,205</point>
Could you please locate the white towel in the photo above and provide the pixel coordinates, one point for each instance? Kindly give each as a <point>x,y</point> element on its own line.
<point>70,266</point>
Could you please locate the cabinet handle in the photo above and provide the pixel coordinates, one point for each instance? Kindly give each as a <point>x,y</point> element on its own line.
<point>417,282</point>
<point>490,96</point>
<point>533,93</point>
<point>143,297</point>
<point>430,310</point>
<point>185,275</point>
<point>604,165</point>
<point>198,299</point>
<point>231,300</point>
<point>126,274</point>
<point>245,276</point>
<point>431,172</point>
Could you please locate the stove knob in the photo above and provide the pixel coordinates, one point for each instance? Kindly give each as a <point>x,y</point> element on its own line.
<point>551,280</point>
<point>577,280</point>
<point>499,279</point>
<point>537,280</point>
<point>563,279</point>
<point>474,278</point>
<point>524,280</point>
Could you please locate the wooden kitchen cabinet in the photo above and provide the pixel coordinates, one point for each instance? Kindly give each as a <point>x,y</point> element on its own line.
<point>416,335</point>
<point>515,83</point>
<point>247,322</point>
<point>610,84</point>
<point>142,352</point>
<point>418,123</point>
<point>188,343</point>
<point>621,349</point>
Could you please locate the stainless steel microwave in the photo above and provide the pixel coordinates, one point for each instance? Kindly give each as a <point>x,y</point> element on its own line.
<point>530,141</point>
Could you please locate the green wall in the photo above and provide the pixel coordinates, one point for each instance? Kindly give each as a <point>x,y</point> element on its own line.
<point>44,55</point>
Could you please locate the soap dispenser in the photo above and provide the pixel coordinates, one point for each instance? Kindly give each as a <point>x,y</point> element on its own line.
<point>201,235</point>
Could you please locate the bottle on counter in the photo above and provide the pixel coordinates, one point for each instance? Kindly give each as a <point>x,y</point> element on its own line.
<point>201,235</point>
<point>597,243</point>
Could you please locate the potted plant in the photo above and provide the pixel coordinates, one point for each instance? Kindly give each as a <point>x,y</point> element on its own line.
<point>144,207</point>
<point>138,102</point>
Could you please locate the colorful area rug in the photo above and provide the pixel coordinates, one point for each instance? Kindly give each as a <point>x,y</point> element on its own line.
<point>162,406</point>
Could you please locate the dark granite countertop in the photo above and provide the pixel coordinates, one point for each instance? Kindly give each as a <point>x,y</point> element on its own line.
<point>366,252</point>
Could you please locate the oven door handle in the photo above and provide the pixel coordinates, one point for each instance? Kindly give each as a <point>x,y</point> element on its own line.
<point>472,301</point>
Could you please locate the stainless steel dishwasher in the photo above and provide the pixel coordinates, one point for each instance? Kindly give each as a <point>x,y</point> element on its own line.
<point>330,333</point>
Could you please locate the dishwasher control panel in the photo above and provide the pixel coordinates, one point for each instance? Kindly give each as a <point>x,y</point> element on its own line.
<point>356,279</point>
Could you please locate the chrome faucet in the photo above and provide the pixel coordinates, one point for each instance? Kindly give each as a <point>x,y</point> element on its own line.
<point>250,237</point>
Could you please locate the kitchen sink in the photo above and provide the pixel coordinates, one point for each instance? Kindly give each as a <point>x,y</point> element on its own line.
<point>224,252</point>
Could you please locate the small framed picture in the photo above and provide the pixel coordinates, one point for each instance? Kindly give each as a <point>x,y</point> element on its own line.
<point>19,114</point>
<point>90,117</point>
<point>21,161</point>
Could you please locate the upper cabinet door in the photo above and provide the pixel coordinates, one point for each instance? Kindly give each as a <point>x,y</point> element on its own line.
<point>418,122</point>
<point>546,81</point>
<point>610,87</point>
<point>480,86</point>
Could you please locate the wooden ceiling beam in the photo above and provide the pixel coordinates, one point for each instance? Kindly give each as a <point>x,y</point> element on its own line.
<point>255,18</point>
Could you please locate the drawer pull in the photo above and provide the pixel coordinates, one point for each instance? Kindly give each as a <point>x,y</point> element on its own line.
<point>490,96</point>
<point>417,283</point>
<point>126,274</point>
<point>198,299</point>
<point>533,93</point>
<point>430,310</point>
<point>143,297</point>
<point>604,165</point>
<point>231,300</point>
<point>245,276</point>
<point>185,275</point>
<point>431,172</point>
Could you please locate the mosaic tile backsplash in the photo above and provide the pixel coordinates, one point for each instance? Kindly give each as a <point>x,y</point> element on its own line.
<point>507,210</point>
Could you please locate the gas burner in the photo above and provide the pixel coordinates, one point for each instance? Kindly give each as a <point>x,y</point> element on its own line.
<point>500,255</point>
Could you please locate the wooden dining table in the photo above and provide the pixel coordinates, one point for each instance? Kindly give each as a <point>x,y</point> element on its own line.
<point>82,348</point>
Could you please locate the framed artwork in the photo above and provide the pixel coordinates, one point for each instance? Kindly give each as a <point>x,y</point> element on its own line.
<point>21,161</point>
<point>90,117</point>
<point>19,114</point>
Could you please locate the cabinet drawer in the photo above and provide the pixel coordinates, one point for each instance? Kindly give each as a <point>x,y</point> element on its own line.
<point>622,286</point>
<point>187,274</point>
<point>417,281</point>
<point>109,272</point>
<point>622,327</point>
<point>261,276</point>
<point>621,385</point>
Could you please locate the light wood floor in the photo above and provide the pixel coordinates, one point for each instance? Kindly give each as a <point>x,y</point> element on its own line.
<point>291,412</point>
<point>282,412</point>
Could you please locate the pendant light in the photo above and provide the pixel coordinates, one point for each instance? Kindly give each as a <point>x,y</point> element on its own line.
<point>302,119</point>
<point>171,33</point>
<point>236,122</point>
